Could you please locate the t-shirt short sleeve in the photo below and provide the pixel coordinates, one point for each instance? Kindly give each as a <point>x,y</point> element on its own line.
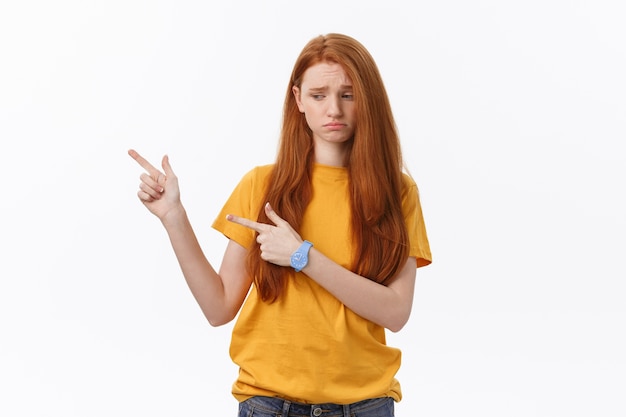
<point>244,201</point>
<point>418,239</point>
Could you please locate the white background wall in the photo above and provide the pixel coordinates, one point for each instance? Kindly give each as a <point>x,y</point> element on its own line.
<point>512,116</point>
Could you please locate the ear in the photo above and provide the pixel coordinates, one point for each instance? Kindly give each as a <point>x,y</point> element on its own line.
<point>296,93</point>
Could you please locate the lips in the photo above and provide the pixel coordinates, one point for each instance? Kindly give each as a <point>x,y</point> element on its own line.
<point>334,126</point>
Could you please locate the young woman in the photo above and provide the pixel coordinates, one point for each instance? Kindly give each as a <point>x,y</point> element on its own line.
<point>323,246</point>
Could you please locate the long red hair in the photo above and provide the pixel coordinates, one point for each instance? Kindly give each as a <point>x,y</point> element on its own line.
<point>374,163</point>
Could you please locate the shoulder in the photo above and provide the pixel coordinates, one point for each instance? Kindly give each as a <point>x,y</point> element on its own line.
<point>260,171</point>
<point>408,184</point>
<point>410,194</point>
<point>407,180</point>
<point>258,175</point>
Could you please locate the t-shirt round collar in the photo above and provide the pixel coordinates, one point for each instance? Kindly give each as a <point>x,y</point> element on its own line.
<point>330,172</point>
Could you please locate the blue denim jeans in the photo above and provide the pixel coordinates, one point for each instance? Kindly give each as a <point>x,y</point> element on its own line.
<point>277,407</point>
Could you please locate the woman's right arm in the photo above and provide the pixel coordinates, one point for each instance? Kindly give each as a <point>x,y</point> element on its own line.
<point>219,295</point>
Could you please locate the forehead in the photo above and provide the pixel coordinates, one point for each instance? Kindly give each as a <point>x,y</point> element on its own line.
<point>325,74</point>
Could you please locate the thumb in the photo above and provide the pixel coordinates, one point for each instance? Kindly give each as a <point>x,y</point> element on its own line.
<point>272,215</point>
<point>167,168</point>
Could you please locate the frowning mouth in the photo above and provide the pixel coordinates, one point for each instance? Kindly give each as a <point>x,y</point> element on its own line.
<point>334,125</point>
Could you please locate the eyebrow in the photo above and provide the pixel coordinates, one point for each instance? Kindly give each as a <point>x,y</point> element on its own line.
<point>341,87</point>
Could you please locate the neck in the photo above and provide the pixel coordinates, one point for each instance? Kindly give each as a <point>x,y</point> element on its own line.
<point>332,154</point>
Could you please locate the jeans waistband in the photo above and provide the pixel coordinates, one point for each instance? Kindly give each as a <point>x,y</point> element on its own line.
<point>295,409</point>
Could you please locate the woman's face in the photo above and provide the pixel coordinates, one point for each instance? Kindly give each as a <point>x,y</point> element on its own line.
<point>326,99</point>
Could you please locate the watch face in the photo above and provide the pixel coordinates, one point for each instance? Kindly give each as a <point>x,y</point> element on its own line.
<point>300,257</point>
<point>298,260</point>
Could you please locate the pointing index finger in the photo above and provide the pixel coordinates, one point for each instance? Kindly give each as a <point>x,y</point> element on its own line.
<point>257,227</point>
<point>142,161</point>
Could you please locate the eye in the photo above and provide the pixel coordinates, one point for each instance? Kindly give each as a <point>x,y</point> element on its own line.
<point>317,96</point>
<point>347,96</point>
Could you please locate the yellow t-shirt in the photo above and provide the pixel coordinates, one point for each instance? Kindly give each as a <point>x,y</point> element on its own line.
<point>307,346</point>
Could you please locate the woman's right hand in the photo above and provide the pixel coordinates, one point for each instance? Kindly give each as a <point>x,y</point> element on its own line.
<point>158,191</point>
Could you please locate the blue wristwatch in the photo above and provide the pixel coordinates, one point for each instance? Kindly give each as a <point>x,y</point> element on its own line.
<point>300,257</point>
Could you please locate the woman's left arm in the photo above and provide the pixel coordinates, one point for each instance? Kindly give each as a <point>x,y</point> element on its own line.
<point>387,305</point>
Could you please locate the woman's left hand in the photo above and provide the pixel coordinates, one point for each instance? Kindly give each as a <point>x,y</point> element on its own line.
<point>278,241</point>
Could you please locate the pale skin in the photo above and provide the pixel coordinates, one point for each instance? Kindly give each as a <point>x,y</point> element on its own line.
<point>325,97</point>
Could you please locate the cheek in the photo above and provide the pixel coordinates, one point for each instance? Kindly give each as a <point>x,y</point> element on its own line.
<point>309,120</point>
<point>350,111</point>
<point>310,112</point>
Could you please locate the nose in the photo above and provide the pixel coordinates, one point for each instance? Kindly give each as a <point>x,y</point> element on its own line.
<point>334,106</point>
